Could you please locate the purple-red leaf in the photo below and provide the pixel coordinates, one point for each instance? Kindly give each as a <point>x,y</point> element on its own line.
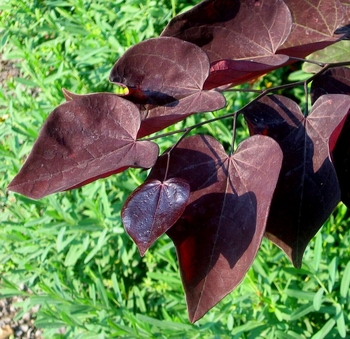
<point>226,29</point>
<point>334,81</point>
<point>153,208</point>
<point>314,24</point>
<point>308,189</point>
<point>239,37</point>
<point>165,76</point>
<point>251,30</point>
<point>221,229</point>
<point>90,137</point>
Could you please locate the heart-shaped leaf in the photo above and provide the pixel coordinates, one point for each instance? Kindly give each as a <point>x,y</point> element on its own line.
<point>334,81</point>
<point>165,76</point>
<point>219,233</point>
<point>153,208</point>
<point>314,24</point>
<point>87,138</point>
<point>224,28</point>
<point>308,189</point>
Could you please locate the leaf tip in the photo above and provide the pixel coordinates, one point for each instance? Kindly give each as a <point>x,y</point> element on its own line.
<point>67,94</point>
<point>142,250</point>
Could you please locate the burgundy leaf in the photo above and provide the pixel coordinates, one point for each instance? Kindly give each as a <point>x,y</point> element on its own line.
<point>82,140</point>
<point>248,31</point>
<point>219,233</point>
<point>314,24</point>
<point>165,76</point>
<point>153,208</point>
<point>308,189</point>
<point>226,29</point>
<point>334,81</point>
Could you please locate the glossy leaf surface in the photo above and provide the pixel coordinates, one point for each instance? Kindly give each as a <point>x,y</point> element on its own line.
<point>220,231</point>
<point>308,189</point>
<point>153,208</point>
<point>165,76</point>
<point>335,81</point>
<point>82,140</point>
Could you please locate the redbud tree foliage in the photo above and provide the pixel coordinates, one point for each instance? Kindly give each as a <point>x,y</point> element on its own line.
<point>282,182</point>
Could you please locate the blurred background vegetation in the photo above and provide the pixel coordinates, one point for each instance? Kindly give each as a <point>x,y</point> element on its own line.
<point>70,249</point>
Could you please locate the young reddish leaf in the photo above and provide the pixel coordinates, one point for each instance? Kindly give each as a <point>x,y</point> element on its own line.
<point>153,208</point>
<point>220,231</point>
<point>165,76</point>
<point>314,24</point>
<point>334,81</point>
<point>308,189</point>
<point>82,140</point>
<point>242,29</point>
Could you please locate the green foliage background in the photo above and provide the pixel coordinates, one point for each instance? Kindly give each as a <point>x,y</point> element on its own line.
<point>70,249</point>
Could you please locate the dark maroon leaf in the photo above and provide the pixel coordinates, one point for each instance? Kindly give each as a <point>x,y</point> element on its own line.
<point>248,31</point>
<point>165,76</point>
<point>308,189</point>
<point>82,140</point>
<point>334,81</point>
<point>153,208</point>
<point>314,24</point>
<point>226,29</point>
<point>220,231</point>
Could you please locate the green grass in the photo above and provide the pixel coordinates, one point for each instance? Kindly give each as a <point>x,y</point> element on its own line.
<point>70,248</point>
